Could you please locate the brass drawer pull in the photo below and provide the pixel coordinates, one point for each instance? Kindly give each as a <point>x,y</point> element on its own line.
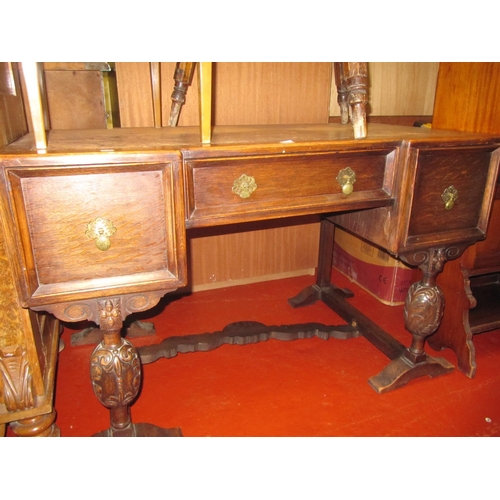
<point>101,230</point>
<point>449,197</point>
<point>346,178</point>
<point>244,186</point>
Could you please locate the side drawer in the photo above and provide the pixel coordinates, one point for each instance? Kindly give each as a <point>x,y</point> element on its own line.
<point>224,190</point>
<point>110,227</point>
<point>452,195</point>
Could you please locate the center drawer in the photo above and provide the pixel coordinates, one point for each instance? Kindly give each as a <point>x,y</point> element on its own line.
<point>226,190</point>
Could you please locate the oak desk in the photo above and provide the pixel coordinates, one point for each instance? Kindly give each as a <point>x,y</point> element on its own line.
<point>95,229</point>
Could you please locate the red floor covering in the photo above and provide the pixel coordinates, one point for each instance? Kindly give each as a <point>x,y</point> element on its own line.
<point>307,387</point>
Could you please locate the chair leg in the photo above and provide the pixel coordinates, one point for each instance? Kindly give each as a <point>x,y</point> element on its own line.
<point>351,80</point>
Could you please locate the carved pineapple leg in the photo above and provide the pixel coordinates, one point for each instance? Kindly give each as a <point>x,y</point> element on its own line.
<point>39,426</point>
<point>423,312</point>
<point>116,376</point>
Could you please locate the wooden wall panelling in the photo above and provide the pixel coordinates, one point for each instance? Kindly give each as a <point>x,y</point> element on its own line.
<point>271,93</point>
<point>244,93</point>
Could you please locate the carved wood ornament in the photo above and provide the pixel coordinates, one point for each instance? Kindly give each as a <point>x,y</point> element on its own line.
<point>16,378</point>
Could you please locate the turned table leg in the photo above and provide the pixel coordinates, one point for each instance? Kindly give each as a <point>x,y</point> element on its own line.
<point>424,308</point>
<point>116,375</point>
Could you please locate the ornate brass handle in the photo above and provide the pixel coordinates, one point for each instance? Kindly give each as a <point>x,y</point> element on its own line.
<point>449,197</point>
<point>346,178</point>
<point>101,230</point>
<point>244,186</point>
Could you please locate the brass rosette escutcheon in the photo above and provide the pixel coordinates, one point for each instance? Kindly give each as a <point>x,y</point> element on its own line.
<point>101,231</point>
<point>346,178</point>
<point>244,186</point>
<point>449,197</point>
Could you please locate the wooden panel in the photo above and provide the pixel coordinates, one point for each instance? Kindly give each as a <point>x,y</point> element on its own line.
<point>75,99</point>
<point>271,93</point>
<point>468,97</point>
<point>246,253</point>
<point>398,88</point>
<point>12,119</point>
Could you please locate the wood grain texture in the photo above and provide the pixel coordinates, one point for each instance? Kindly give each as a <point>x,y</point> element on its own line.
<point>468,97</point>
<point>75,99</point>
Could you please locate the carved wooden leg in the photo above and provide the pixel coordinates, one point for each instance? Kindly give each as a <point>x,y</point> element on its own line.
<point>116,376</point>
<point>3,430</point>
<point>39,426</point>
<point>423,312</point>
<point>357,86</point>
<point>351,79</point>
<point>183,76</point>
<point>342,93</point>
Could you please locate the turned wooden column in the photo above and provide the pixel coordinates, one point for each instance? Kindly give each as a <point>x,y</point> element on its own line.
<point>425,302</point>
<point>115,369</point>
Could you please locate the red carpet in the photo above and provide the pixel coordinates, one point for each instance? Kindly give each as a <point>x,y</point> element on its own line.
<point>299,388</point>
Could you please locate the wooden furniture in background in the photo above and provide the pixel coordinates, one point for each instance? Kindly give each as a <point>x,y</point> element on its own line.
<point>468,99</point>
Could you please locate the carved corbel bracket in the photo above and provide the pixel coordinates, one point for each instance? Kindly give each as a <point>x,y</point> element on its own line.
<point>16,379</point>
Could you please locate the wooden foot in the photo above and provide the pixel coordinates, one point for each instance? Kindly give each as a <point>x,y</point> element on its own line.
<point>400,371</point>
<point>141,430</point>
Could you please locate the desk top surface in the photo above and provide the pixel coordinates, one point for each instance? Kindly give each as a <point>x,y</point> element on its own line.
<point>230,138</point>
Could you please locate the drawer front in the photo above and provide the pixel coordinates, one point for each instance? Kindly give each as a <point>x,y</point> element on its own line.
<point>239,189</point>
<point>451,188</point>
<point>93,227</point>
